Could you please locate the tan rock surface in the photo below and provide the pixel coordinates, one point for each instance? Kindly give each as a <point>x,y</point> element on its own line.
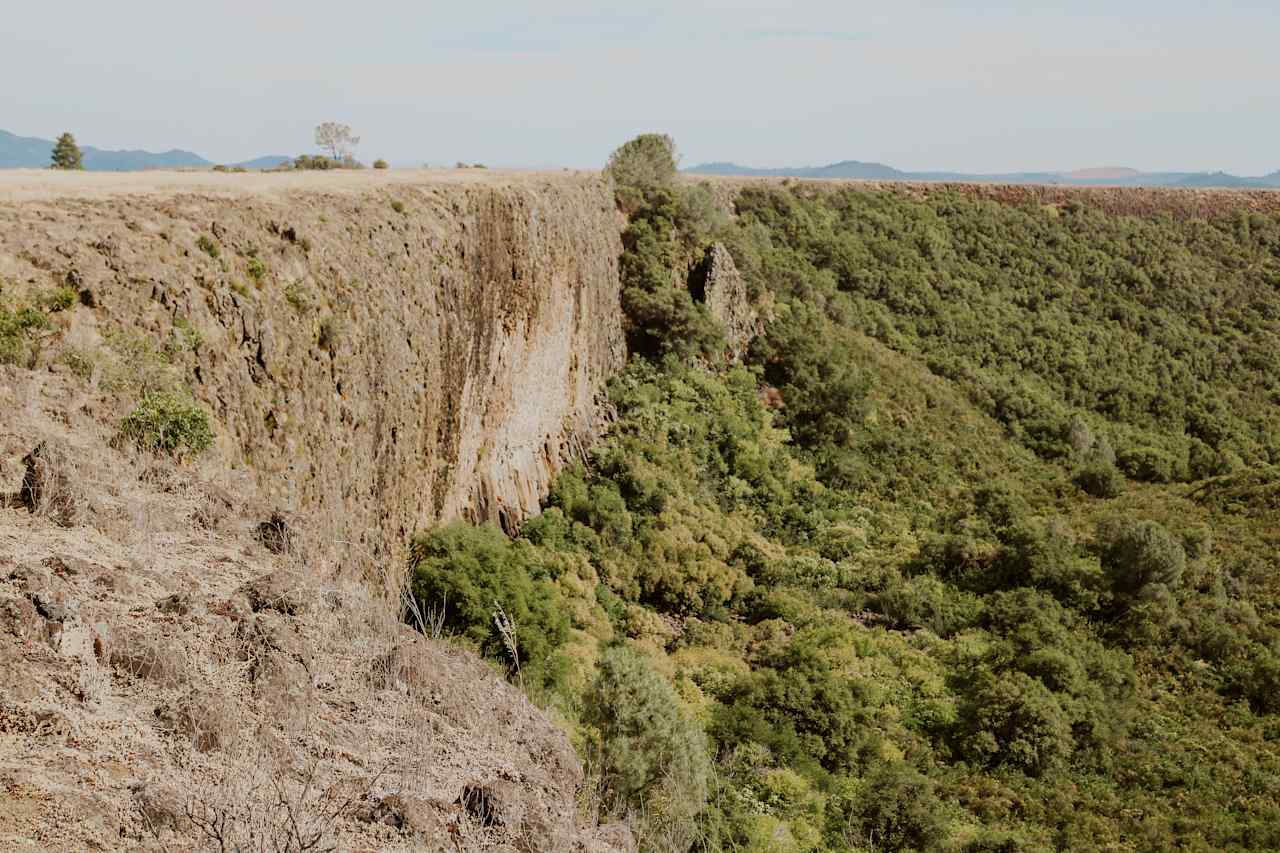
<point>160,678</point>
<point>379,351</point>
<point>376,354</point>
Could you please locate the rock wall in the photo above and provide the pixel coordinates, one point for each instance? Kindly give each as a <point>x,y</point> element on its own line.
<point>380,356</point>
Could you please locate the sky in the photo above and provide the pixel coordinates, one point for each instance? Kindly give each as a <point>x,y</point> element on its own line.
<point>916,84</point>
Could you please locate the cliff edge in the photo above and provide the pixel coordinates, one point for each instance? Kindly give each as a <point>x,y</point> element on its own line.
<point>380,353</point>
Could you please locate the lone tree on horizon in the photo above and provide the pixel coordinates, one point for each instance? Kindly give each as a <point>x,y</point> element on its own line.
<point>646,162</point>
<point>337,139</point>
<point>66,154</point>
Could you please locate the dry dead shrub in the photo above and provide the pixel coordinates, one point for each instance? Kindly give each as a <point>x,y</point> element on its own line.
<point>136,654</point>
<point>203,718</point>
<point>51,484</point>
<point>255,800</point>
<point>276,534</point>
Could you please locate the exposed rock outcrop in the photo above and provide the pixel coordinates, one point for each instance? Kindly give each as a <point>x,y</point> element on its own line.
<point>380,359</point>
<point>161,680</point>
<point>182,648</point>
<point>717,283</point>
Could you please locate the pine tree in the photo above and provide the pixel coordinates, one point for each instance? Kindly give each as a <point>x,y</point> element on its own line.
<point>66,154</point>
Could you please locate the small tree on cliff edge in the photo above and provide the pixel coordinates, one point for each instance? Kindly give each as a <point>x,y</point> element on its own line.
<point>644,163</point>
<point>337,139</point>
<point>66,154</point>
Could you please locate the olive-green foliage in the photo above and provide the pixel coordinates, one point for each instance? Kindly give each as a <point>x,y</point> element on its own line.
<point>1151,465</point>
<point>895,808</point>
<point>381,164</point>
<point>66,154</point>
<point>471,572</point>
<point>1136,555</point>
<point>660,315</point>
<point>860,559</point>
<point>645,163</point>
<point>1100,480</point>
<point>18,326</point>
<point>169,423</point>
<point>680,488</point>
<point>323,163</point>
<point>998,547</point>
<point>798,704</point>
<point>1036,314</point>
<point>257,269</point>
<point>649,753</point>
<point>206,244</point>
<point>926,602</point>
<point>806,357</point>
<point>58,299</point>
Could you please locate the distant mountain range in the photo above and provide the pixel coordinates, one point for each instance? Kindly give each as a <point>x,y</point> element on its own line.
<point>1106,176</point>
<point>27,152</point>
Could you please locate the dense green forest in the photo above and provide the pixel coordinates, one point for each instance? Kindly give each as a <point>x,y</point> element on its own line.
<point>976,549</point>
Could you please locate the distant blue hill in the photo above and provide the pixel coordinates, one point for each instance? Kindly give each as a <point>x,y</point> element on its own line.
<point>856,170</point>
<point>268,162</point>
<point>845,169</point>
<point>99,160</point>
<point>27,152</point>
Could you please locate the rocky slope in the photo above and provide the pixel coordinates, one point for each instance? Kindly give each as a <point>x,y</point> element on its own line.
<point>380,356</point>
<point>174,674</point>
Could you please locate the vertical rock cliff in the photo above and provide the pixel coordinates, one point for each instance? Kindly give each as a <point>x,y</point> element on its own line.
<point>379,354</point>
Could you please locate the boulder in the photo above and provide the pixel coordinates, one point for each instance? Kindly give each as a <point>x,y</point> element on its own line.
<point>49,484</point>
<point>276,534</point>
<point>716,282</point>
<point>284,591</point>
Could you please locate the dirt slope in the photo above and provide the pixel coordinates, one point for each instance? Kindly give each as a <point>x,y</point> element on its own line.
<point>375,356</point>
<point>161,667</point>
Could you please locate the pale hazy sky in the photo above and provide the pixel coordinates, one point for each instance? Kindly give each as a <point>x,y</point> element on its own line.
<point>1156,84</point>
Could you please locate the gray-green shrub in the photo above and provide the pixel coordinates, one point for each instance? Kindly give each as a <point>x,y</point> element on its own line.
<point>168,422</point>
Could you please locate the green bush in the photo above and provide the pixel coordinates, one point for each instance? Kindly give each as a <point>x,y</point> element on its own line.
<point>316,162</point>
<point>66,153</point>
<point>645,163</point>
<point>1150,465</point>
<point>1100,480</point>
<point>809,362</point>
<point>1014,719</point>
<point>381,164</point>
<point>169,423</point>
<point>1258,680</point>
<point>58,299</point>
<point>257,270</point>
<point>650,755</point>
<point>895,808</point>
<point>661,316</point>
<point>926,602</point>
<point>1136,554</point>
<point>472,572</point>
<point>17,329</point>
<point>208,246</point>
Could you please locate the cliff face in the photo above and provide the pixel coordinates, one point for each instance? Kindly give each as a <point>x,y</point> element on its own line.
<point>379,355</point>
<point>378,352</point>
